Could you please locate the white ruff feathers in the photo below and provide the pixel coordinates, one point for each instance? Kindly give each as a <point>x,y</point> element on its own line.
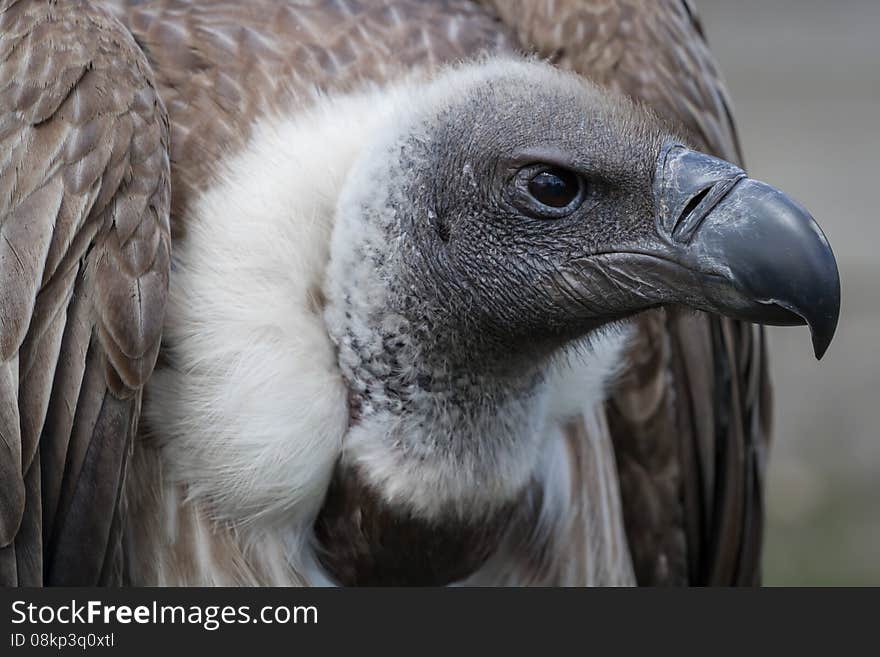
<point>253,415</point>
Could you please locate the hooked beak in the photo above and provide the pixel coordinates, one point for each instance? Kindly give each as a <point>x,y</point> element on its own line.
<point>727,244</point>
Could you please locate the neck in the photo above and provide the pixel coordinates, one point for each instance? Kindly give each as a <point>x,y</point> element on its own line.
<point>439,438</point>
<point>438,456</point>
<point>442,468</point>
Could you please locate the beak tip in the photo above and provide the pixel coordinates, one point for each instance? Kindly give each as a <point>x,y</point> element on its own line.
<point>825,325</point>
<point>823,334</point>
<point>820,345</point>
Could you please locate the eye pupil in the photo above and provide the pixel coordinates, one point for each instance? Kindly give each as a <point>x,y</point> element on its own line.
<point>554,187</point>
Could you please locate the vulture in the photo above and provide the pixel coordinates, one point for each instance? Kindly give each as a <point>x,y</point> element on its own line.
<point>384,292</point>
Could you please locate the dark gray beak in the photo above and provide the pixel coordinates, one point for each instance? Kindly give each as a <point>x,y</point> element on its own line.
<point>755,253</point>
<point>723,243</point>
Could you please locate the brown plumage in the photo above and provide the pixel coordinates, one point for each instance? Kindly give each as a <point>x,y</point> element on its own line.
<point>84,256</point>
<point>84,146</point>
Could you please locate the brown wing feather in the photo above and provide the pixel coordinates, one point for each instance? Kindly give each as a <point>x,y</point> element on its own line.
<point>84,258</point>
<point>690,419</point>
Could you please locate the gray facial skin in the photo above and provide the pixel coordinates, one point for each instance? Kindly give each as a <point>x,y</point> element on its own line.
<point>454,287</point>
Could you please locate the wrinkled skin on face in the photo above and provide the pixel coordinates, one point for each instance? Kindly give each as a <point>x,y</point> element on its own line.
<point>482,265</point>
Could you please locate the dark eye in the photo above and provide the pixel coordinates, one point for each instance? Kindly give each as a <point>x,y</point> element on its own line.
<point>555,187</point>
<point>547,191</point>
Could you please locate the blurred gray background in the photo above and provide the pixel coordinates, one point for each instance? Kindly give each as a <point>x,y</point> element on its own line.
<point>805,80</point>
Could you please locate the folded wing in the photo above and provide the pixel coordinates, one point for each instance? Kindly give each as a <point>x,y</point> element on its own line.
<point>84,264</point>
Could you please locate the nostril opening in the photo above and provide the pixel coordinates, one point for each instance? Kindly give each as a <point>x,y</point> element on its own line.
<point>701,205</point>
<point>693,203</point>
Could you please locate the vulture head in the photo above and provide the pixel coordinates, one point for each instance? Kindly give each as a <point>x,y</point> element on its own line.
<point>504,213</point>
